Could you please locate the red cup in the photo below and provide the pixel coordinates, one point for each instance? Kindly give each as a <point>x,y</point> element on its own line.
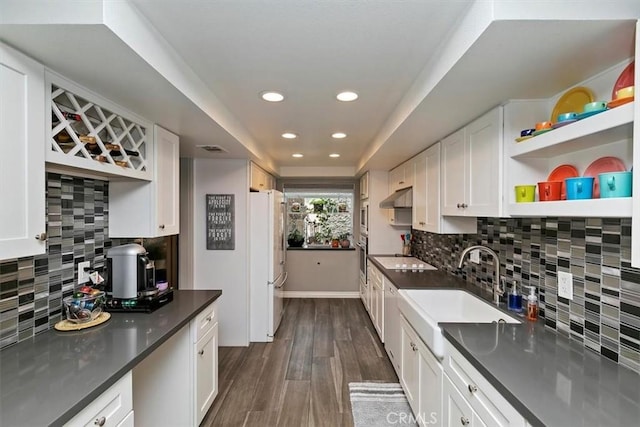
<point>549,190</point>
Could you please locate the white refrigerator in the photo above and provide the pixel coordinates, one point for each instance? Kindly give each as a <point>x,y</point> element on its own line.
<point>267,258</point>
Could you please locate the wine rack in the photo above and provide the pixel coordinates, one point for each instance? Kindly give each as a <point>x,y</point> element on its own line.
<point>91,133</point>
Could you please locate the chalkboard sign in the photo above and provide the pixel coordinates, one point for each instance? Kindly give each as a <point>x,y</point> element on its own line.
<point>220,222</point>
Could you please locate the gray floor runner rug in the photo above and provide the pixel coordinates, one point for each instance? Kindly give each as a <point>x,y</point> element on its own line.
<point>380,404</point>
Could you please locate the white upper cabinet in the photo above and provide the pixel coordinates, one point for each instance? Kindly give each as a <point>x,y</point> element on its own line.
<point>149,209</point>
<point>364,186</point>
<point>401,176</point>
<point>22,178</point>
<point>426,197</point>
<point>472,168</point>
<point>92,134</point>
<point>260,179</point>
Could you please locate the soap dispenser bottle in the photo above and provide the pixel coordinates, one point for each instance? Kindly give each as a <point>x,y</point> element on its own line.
<point>514,300</point>
<point>532,304</point>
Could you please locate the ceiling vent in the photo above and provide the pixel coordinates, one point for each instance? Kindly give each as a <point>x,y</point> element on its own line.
<point>212,148</point>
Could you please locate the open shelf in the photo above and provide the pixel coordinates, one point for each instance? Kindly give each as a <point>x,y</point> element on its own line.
<point>620,207</point>
<point>610,125</point>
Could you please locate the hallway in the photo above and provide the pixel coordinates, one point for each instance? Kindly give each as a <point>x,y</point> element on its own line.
<point>302,378</point>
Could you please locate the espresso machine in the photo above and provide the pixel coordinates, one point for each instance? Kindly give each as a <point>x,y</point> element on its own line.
<point>131,284</point>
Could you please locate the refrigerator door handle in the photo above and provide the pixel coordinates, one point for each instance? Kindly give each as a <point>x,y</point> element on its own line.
<point>281,285</point>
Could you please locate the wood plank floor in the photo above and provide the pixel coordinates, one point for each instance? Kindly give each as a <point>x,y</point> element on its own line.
<point>302,378</point>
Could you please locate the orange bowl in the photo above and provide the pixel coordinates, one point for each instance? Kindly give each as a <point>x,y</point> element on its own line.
<point>544,125</point>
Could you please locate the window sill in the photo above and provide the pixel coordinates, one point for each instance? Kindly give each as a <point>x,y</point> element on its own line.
<point>321,248</point>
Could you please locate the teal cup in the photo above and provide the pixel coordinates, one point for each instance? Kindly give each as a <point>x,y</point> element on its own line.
<point>615,184</point>
<point>579,188</point>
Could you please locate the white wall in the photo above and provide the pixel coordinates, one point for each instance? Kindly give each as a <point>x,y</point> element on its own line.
<point>227,270</point>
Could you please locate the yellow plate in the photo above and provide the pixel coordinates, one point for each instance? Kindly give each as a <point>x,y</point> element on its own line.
<point>523,138</point>
<point>572,101</point>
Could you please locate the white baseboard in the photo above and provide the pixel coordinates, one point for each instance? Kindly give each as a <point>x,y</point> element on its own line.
<point>321,294</point>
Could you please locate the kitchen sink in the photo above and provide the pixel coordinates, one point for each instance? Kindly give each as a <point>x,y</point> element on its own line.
<point>425,308</point>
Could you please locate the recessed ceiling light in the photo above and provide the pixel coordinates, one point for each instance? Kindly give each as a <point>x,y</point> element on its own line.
<point>272,96</point>
<point>339,135</point>
<point>296,155</point>
<point>334,155</point>
<point>347,96</point>
<point>289,135</point>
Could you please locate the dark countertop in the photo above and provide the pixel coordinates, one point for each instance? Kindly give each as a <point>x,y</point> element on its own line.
<point>547,377</point>
<point>46,380</point>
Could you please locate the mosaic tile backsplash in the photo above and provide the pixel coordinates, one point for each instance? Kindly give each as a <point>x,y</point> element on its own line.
<point>32,288</point>
<point>604,314</point>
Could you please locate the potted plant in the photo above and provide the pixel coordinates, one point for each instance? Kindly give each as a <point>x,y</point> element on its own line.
<point>335,242</point>
<point>344,240</point>
<point>295,239</point>
<point>318,205</point>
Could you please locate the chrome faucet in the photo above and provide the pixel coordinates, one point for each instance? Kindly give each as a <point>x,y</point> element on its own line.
<point>497,290</point>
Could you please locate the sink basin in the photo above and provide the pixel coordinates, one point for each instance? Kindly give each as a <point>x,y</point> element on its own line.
<point>425,308</point>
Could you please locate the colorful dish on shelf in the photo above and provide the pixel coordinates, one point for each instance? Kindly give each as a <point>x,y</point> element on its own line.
<point>591,113</point>
<point>523,138</point>
<point>572,100</point>
<point>625,79</point>
<point>560,174</point>
<point>618,102</point>
<point>563,123</point>
<point>541,131</point>
<point>603,165</point>
<point>527,132</point>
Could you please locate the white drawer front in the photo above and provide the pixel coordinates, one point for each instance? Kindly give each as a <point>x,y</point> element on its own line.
<point>204,322</point>
<point>108,409</point>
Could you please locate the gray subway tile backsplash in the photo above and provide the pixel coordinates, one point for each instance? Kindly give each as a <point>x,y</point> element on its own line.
<point>604,314</point>
<point>32,288</point>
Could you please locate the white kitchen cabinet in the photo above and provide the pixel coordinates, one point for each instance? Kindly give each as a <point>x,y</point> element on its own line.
<point>260,179</point>
<point>472,168</point>
<point>22,167</point>
<point>401,176</point>
<point>409,364</point>
<point>364,186</point>
<point>426,197</point>
<point>149,209</point>
<point>456,410</point>
<point>376,310</point>
<point>392,337</point>
<point>114,407</point>
<point>488,405</point>
<point>364,294</point>
<point>92,136</point>
<point>187,365</point>
<point>421,377</point>
<point>206,372</point>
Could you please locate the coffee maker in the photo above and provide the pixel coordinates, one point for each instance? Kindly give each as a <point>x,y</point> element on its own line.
<point>130,272</point>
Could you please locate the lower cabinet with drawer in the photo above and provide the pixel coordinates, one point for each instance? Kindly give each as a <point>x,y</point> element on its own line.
<point>114,407</point>
<point>182,372</point>
<point>469,399</point>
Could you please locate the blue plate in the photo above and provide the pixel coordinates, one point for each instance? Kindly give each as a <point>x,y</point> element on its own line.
<point>563,123</point>
<point>590,113</point>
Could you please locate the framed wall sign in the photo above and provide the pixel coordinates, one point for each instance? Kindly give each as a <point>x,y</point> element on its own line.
<point>220,222</point>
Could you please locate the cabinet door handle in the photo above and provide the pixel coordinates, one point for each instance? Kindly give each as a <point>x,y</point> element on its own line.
<point>458,206</point>
<point>201,352</point>
<point>413,347</point>
<point>401,182</point>
<point>161,226</point>
<point>472,388</point>
<point>41,236</point>
<point>464,206</point>
<point>100,421</point>
<point>464,421</point>
<point>208,319</point>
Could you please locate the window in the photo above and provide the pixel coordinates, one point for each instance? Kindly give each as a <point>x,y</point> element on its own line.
<point>320,216</point>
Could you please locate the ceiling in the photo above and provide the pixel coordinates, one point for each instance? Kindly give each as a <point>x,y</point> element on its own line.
<point>309,50</point>
<point>422,68</point>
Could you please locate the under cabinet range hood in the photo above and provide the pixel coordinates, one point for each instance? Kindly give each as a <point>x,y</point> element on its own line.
<point>399,199</point>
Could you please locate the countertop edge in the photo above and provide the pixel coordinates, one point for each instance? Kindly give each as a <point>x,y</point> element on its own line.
<point>102,387</point>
